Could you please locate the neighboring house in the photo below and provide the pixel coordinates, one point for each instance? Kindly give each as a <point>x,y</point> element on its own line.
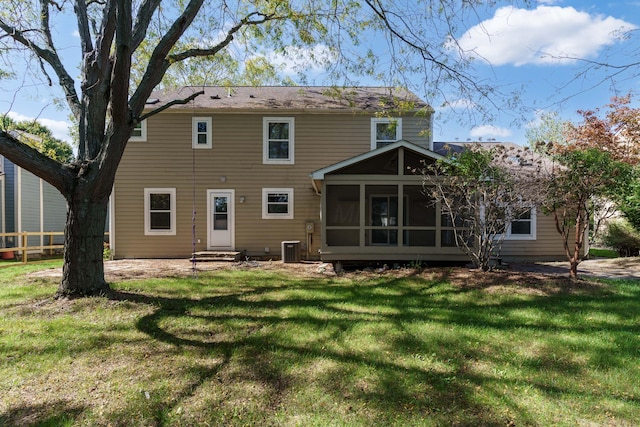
<point>248,168</point>
<point>29,204</point>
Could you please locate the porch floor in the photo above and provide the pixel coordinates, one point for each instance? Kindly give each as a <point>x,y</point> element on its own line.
<point>205,256</point>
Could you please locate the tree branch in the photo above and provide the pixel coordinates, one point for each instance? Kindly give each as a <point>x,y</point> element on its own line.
<point>463,79</point>
<point>145,13</point>
<point>171,104</point>
<point>57,174</point>
<point>158,64</point>
<point>119,95</point>
<point>50,56</point>
<point>80,8</point>
<point>246,21</point>
<point>107,32</point>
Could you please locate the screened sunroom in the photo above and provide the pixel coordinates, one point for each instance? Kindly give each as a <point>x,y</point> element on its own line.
<point>373,207</point>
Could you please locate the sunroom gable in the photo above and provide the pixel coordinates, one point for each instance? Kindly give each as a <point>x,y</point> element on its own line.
<point>382,161</point>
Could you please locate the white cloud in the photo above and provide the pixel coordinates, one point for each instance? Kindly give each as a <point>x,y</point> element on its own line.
<point>316,58</point>
<point>490,131</point>
<point>460,104</point>
<point>59,128</point>
<point>539,36</point>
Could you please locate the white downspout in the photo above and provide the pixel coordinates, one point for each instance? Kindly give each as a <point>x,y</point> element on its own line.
<point>112,222</point>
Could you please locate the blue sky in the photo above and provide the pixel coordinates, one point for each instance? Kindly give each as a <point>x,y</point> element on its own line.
<point>531,49</point>
<point>526,47</point>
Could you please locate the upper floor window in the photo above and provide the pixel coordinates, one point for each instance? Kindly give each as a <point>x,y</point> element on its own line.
<point>385,131</point>
<point>201,132</point>
<point>277,203</point>
<point>139,132</point>
<point>278,140</point>
<point>159,211</point>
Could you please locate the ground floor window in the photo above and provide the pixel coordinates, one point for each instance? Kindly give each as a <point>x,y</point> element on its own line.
<point>523,227</point>
<point>277,203</point>
<point>160,211</point>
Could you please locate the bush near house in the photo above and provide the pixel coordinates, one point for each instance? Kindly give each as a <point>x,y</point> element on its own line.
<point>622,237</point>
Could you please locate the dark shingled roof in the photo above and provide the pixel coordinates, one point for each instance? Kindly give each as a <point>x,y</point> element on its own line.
<point>519,155</point>
<point>445,148</point>
<point>293,98</point>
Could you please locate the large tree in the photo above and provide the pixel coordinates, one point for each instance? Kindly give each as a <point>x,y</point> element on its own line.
<point>128,47</point>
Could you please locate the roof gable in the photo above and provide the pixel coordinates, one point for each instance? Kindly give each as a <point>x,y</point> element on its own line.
<point>423,152</point>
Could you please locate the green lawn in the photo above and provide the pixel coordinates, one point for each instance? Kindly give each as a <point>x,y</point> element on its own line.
<point>602,253</point>
<point>252,347</point>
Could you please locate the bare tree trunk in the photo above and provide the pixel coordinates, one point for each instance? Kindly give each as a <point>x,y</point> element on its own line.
<point>573,268</point>
<point>576,258</point>
<point>83,270</point>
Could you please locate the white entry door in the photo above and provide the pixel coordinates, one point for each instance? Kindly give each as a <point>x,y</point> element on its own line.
<point>220,220</point>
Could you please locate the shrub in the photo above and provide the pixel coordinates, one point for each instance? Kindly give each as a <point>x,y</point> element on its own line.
<point>630,206</point>
<point>623,237</point>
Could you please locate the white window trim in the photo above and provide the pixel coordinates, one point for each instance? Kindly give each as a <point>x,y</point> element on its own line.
<point>374,130</point>
<point>194,132</point>
<point>265,198</point>
<point>143,133</point>
<point>265,140</point>
<point>147,214</point>
<point>531,236</point>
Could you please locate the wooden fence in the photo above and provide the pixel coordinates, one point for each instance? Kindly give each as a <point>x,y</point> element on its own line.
<point>17,244</point>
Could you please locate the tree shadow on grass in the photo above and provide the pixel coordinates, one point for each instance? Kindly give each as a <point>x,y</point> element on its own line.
<point>49,414</point>
<point>247,329</point>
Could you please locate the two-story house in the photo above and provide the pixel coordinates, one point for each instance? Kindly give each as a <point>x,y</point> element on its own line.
<point>247,168</point>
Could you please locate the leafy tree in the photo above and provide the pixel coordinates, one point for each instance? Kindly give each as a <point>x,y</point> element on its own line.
<point>615,131</point>
<point>128,47</point>
<point>630,205</point>
<point>579,176</point>
<point>39,137</point>
<point>549,129</point>
<point>592,174</point>
<point>481,190</point>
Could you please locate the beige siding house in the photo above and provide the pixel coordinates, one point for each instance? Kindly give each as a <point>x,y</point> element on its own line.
<point>246,169</point>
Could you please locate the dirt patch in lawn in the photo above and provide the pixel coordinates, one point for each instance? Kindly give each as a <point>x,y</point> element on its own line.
<point>538,279</point>
<point>132,269</point>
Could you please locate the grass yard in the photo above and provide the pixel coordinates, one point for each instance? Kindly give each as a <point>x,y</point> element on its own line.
<point>245,347</point>
<point>602,253</point>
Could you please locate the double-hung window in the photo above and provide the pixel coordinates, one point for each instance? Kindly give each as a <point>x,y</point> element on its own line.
<point>523,227</point>
<point>201,132</point>
<point>159,211</point>
<point>139,132</point>
<point>277,203</point>
<point>385,131</point>
<point>278,140</point>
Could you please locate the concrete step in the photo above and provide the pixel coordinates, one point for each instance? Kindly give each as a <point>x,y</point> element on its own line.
<point>204,256</point>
